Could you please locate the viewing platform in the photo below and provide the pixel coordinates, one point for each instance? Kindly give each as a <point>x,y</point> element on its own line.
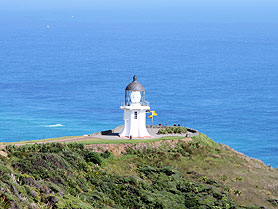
<point>153,131</point>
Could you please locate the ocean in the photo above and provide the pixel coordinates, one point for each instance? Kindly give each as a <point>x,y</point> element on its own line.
<point>64,74</point>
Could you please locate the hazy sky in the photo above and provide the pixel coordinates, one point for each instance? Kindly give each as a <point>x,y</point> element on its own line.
<point>79,4</point>
<point>226,10</point>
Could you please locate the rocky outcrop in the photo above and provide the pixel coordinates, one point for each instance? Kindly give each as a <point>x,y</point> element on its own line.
<point>4,154</point>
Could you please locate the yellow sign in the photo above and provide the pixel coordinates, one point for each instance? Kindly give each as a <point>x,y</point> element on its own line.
<point>154,113</point>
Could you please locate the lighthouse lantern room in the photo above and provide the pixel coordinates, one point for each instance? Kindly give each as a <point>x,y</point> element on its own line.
<point>135,108</point>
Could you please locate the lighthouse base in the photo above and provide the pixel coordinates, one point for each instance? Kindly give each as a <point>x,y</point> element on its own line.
<point>135,122</point>
<point>128,137</point>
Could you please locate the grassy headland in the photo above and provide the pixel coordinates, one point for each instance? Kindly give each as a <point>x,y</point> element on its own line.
<point>39,140</point>
<point>90,140</point>
<point>195,174</point>
<point>126,141</point>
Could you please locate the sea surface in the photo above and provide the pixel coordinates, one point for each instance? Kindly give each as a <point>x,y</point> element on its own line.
<point>63,73</point>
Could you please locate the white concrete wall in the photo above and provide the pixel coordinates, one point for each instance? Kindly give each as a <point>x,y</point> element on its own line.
<point>135,127</point>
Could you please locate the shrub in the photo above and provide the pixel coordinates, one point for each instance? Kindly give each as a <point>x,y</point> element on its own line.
<point>93,157</point>
<point>239,178</point>
<point>273,201</point>
<point>223,177</point>
<point>162,131</point>
<point>106,154</point>
<point>173,129</point>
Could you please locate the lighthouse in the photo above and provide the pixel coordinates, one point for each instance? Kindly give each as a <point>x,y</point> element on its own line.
<point>135,108</point>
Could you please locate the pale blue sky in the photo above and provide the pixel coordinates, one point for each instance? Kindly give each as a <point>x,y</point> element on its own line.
<point>205,10</point>
<point>74,4</point>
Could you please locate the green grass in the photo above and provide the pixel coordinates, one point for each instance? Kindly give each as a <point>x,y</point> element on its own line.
<point>40,140</point>
<point>125,141</point>
<point>95,140</point>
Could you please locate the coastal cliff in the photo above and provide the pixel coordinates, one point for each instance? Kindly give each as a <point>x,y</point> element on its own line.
<point>182,173</point>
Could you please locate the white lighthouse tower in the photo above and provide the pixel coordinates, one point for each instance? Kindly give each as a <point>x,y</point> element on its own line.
<point>135,108</point>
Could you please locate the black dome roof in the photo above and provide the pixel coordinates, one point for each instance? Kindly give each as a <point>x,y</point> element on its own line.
<point>135,85</point>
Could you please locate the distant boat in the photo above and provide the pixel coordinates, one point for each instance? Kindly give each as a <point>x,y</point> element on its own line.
<point>47,26</point>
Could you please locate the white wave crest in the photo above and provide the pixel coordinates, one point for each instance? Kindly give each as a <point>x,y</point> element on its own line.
<point>56,125</point>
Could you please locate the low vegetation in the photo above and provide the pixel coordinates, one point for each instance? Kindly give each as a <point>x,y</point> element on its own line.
<point>126,141</point>
<point>195,174</point>
<point>173,130</point>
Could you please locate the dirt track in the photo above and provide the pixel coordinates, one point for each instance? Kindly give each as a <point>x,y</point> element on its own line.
<point>59,140</point>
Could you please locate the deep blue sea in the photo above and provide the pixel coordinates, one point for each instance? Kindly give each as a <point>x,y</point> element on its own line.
<point>63,75</point>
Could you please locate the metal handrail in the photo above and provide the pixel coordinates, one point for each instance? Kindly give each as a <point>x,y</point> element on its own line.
<point>145,103</point>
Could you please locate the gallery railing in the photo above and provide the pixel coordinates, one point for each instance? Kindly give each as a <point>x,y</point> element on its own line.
<point>145,103</point>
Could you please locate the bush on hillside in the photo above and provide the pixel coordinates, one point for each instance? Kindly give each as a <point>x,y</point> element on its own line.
<point>173,130</point>
<point>93,157</point>
<point>66,176</point>
<point>106,154</point>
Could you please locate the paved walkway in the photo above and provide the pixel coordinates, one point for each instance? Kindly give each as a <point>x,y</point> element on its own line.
<point>152,131</point>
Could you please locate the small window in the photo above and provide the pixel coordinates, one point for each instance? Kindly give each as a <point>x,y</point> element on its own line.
<point>135,115</point>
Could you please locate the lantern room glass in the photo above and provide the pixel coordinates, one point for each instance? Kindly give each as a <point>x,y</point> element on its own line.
<point>128,98</point>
